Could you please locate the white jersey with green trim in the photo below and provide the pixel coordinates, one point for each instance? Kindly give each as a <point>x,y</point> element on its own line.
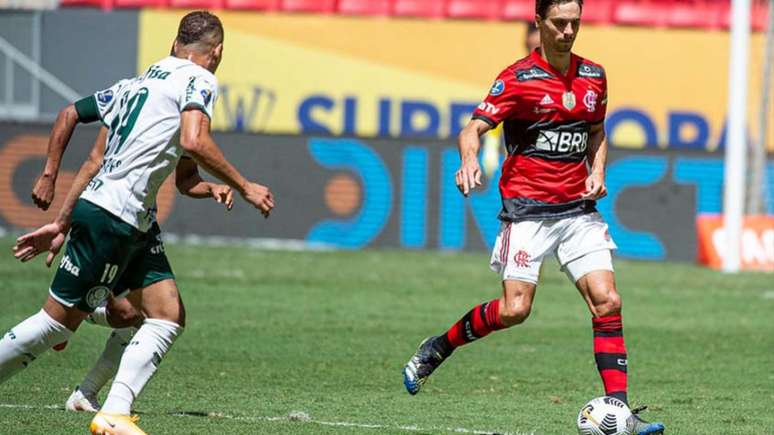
<point>142,114</point>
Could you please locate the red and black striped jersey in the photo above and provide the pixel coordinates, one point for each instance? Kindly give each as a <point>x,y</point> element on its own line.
<point>547,120</point>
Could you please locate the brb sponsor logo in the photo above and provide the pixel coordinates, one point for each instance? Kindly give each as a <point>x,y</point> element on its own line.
<point>562,141</point>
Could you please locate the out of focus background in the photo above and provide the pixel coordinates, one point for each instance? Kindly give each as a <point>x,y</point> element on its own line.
<point>349,110</point>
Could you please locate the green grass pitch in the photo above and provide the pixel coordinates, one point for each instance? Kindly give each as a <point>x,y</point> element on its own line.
<point>326,334</point>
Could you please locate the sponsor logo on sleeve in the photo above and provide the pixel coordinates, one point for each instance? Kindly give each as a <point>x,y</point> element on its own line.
<point>104,97</point>
<point>206,96</point>
<point>497,88</point>
<point>488,108</point>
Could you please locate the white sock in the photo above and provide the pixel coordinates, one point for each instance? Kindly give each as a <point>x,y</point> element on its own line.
<point>139,362</point>
<point>27,341</point>
<point>107,364</point>
<point>99,317</point>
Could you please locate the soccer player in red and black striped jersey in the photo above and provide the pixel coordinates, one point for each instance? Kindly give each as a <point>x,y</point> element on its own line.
<point>553,104</point>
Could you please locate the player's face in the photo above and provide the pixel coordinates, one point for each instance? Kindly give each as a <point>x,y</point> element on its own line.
<point>560,27</point>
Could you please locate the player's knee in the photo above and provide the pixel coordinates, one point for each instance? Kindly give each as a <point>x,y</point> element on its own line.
<point>515,313</point>
<point>611,306</point>
<point>123,316</point>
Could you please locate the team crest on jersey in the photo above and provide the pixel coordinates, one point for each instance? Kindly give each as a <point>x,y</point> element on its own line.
<point>590,100</point>
<point>96,295</point>
<point>534,73</point>
<point>105,97</point>
<point>497,88</point>
<point>590,71</point>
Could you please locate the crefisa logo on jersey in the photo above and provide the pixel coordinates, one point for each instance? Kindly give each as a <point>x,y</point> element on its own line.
<point>105,96</point>
<point>497,88</point>
<point>590,100</point>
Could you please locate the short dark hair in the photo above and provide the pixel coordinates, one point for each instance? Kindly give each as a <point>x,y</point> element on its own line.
<point>542,6</point>
<point>200,27</point>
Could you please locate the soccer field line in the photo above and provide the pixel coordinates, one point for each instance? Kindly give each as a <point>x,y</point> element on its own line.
<point>299,417</point>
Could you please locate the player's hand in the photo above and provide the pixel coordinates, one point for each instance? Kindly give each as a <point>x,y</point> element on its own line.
<point>468,177</point>
<point>49,238</point>
<point>223,195</point>
<point>260,197</point>
<point>595,187</point>
<point>43,191</point>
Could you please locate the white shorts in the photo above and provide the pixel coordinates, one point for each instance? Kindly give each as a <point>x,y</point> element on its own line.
<point>581,244</point>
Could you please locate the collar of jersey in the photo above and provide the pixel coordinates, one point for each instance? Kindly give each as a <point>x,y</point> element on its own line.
<point>538,59</point>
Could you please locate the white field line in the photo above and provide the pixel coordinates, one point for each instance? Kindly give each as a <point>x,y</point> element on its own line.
<point>298,417</point>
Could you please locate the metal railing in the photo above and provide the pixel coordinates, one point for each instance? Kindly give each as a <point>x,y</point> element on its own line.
<point>12,109</point>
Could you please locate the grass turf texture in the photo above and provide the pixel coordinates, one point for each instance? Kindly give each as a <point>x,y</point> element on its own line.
<point>328,333</point>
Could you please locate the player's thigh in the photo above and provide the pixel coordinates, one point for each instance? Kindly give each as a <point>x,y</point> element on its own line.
<point>517,300</point>
<point>98,250</point>
<point>520,248</point>
<point>146,269</point>
<point>596,283</point>
<point>160,300</point>
<point>579,236</point>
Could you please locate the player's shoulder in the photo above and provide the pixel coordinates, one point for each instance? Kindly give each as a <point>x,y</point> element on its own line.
<point>589,69</point>
<point>527,69</point>
<point>185,70</point>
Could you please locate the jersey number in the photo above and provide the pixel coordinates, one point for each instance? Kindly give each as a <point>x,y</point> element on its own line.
<point>123,124</point>
<point>109,274</point>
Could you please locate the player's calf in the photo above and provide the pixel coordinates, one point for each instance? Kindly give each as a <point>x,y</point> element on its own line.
<point>28,340</point>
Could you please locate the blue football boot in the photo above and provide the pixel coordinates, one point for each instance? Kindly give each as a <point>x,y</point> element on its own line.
<point>427,358</point>
<point>642,427</point>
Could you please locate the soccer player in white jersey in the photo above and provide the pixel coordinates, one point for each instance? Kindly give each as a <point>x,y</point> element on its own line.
<point>111,223</point>
<point>118,313</point>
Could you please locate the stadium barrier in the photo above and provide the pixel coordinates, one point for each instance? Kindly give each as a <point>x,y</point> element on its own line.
<point>353,193</point>
<point>317,74</point>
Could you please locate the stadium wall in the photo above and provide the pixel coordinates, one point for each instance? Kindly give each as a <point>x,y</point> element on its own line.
<point>352,193</point>
<point>378,77</point>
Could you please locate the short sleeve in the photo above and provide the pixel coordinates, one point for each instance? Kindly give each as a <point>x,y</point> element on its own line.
<point>500,103</point>
<point>100,104</point>
<point>200,93</point>
<point>601,112</point>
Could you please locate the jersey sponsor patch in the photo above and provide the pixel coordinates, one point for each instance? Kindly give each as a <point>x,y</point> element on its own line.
<point>534,73</point>
<point>104,97</point>
<point>206,96</point>
<point>497,88</point>
<point>488,108</point>
<point>590,71</point>
<point>562,141</point>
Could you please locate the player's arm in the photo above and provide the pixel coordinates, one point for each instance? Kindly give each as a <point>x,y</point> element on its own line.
<point>196,140</point>
<point>43,191</point>
<point>51,237</point>
<point>190,183</point>
<point>597,157</point>
<point>469,143</point>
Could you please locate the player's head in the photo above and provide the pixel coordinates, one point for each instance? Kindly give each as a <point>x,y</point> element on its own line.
<point>532,38</point>
<point>200,38</point>
<point>558,22</point>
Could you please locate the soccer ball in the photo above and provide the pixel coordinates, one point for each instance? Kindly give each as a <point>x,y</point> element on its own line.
<point>604,416</point>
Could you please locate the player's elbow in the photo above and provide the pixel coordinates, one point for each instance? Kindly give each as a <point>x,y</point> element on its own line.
<point>68,115</point>
<point>191,144</point>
